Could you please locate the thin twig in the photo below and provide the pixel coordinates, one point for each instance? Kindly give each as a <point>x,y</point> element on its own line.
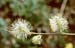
<point>54,33</point>
<point>63,7</point>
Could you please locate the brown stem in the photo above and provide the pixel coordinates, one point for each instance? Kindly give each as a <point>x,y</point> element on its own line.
<point>53,33</point>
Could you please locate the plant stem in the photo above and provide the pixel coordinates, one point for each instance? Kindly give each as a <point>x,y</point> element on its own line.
<point>63,7</point>
<point>54,33</point>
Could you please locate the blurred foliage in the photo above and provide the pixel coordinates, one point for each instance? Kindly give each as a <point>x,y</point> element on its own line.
<point>3,25</point>
<point>30,9</point>
<point>3,2</point>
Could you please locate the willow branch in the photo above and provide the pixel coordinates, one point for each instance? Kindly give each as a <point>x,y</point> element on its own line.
<point>54,33</point>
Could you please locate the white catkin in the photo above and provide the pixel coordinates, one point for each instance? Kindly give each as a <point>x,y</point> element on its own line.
<point>37,39</point>
<point>58,23</point>
<point>20,29</point>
